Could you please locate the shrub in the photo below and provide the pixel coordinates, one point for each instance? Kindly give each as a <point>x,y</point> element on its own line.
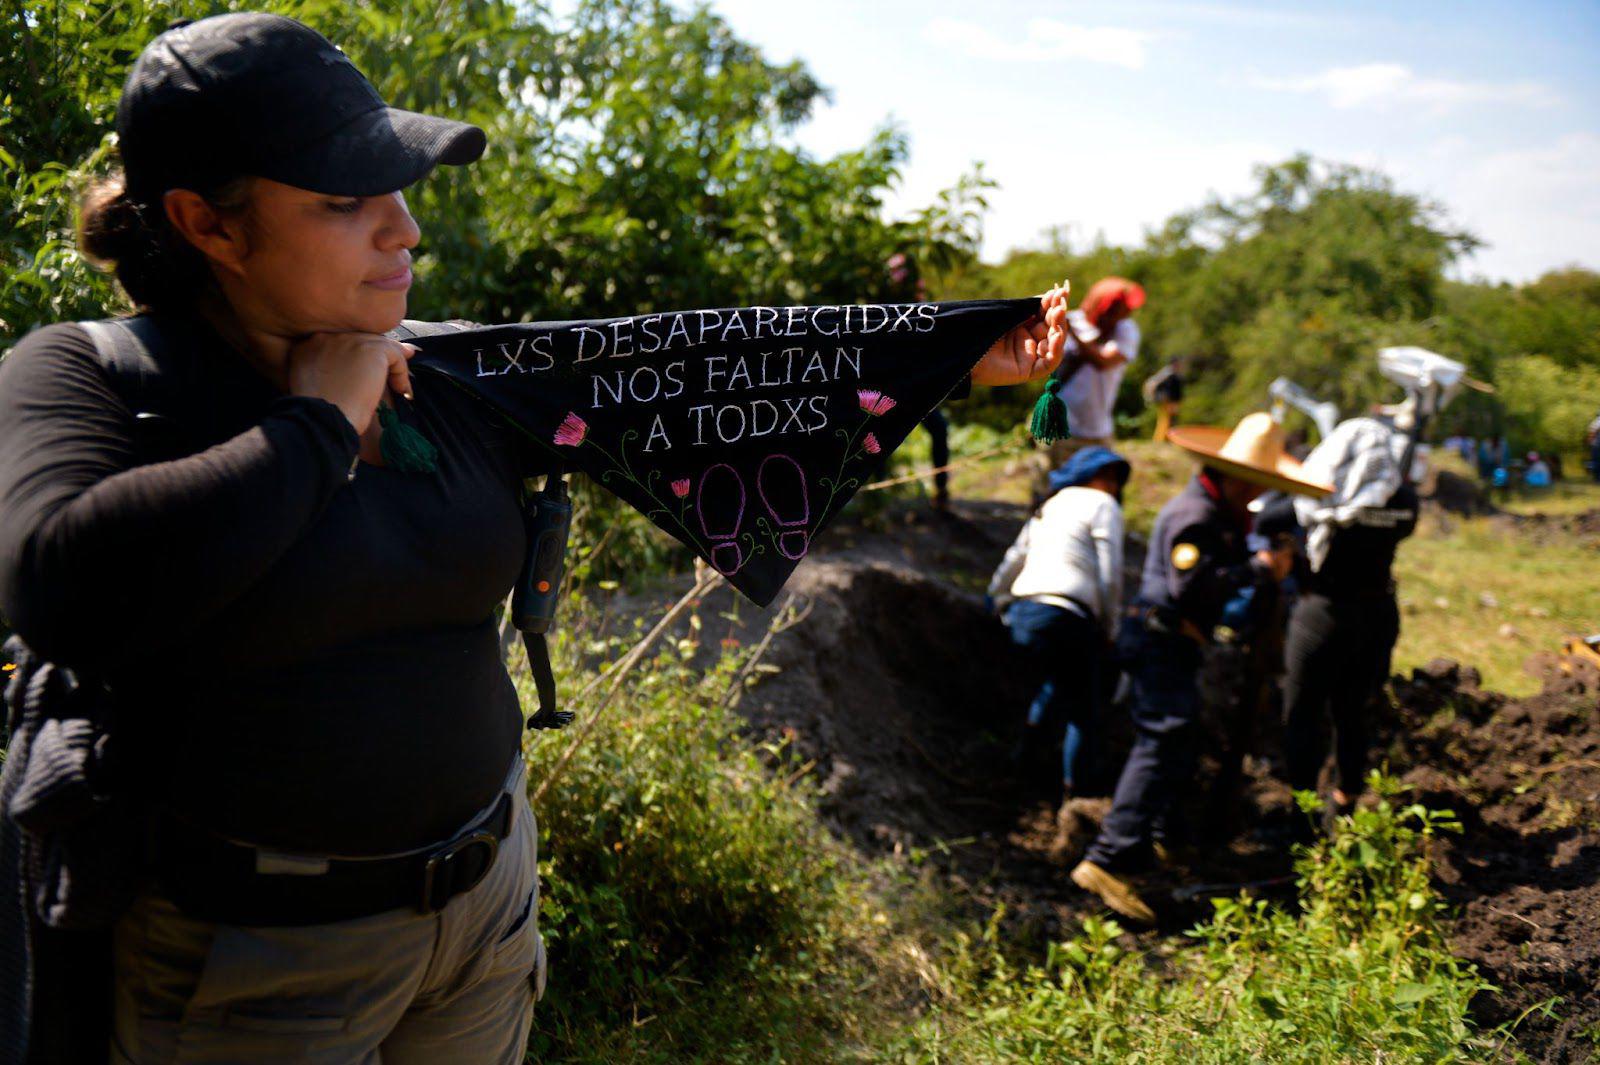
<point>672,853</point>
<point>1361,973</point>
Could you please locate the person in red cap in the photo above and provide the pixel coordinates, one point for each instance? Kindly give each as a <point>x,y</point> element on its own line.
<point>1102,339</point>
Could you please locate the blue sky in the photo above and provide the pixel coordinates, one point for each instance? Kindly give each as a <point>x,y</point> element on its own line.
<point>1106,118</point>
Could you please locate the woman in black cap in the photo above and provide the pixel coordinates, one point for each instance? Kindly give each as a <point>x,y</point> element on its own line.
<point>299,633</point>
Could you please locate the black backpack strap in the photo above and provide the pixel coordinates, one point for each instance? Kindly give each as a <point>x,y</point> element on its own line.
<point>544,682</point>
<point>547,517</point>
<point>127,350</point>
<point>123,346</point>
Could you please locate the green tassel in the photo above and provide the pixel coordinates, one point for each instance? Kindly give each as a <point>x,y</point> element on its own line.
<point>404,448</point>
<point>1049,416</point>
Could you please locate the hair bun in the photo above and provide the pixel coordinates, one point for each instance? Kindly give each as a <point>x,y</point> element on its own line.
<point>111,228</point>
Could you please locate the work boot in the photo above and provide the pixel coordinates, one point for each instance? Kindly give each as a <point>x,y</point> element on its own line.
<point>1114,891</point>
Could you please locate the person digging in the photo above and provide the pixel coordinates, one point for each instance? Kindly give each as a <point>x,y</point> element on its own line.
<point>1196,563</point>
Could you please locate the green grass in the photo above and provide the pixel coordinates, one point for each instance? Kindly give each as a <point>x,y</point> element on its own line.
<point>1360,973</point>
<point>1566,498</point>
<point>1488,595</point>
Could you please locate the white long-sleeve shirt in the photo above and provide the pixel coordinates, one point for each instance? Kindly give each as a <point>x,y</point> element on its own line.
<point>1091,392</point>
<point>1070,552</point>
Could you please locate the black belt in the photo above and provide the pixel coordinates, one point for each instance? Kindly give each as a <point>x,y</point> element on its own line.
<point>218,879</point>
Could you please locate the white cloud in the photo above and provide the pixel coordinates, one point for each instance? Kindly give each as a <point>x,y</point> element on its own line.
<point>1384,85</point>
<point>1047,40</point>
<point>1538,207</point>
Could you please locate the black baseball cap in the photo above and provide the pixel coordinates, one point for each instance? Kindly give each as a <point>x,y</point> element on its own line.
<point>260,94</point>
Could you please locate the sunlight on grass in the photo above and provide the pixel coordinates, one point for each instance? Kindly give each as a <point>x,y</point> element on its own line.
<point>1489,596</point>
<point>1561,500</point>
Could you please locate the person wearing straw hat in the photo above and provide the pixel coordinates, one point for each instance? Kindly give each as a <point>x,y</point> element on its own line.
<point>1197,562</point>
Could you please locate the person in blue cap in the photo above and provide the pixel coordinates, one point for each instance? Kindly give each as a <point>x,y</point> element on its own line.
<point>1061,583</point>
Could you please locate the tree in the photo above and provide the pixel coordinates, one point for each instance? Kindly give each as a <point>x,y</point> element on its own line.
<point>639,158</point>
<point>1304,277</point>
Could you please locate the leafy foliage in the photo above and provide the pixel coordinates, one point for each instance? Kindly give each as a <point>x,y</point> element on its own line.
<point>674,854</point>
<point>1362,973</point>
<point>638,159</point>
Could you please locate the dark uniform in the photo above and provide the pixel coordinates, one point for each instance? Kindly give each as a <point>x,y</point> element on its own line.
<point>1197,562</point>
<point>1341,637</point>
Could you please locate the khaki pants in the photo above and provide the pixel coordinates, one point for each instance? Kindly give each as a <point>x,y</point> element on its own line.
<point>397,988</point>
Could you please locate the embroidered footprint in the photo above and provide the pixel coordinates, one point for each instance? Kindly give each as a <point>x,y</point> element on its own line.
<point>781,483</point>
<point>720,505</point>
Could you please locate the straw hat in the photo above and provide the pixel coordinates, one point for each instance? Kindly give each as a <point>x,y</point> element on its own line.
<point>1252,452</point>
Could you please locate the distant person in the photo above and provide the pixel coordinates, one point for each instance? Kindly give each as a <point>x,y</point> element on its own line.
<point>906,285</point>
<point>1500,458</point>
<point>1164,390</point>
<point>1537,472</point>
<point>1062,582</point>
<point>1102,339</point>
<point>1591,437</point>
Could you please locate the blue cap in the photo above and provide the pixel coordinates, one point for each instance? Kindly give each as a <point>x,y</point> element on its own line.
<point>1085,464</point>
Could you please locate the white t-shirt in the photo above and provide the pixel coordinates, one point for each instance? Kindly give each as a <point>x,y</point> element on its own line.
<point>1091,393</point>
<point>1072,549</point>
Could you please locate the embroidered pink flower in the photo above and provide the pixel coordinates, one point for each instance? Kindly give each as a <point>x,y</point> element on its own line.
<point>680,488</point>
<point>572,431</point>
<point>874,402</point>
<point>870,442</point>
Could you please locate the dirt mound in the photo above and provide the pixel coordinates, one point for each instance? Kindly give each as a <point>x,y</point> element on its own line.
<point>908,698</point>
<point>1455,494</point>
<point>1524,776</point>
<point>1547,528</point>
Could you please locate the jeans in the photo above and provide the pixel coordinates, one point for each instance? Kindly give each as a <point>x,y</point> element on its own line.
<point>1161,764</point>
<point>1067,653</point>
<point>1336,658</point>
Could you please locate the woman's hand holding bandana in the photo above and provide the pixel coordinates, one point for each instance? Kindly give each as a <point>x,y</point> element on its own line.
<point>737,444</point>
<point>1032,349</point>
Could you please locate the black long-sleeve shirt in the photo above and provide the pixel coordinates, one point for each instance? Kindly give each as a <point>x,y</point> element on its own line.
<point>309,660</point>
<point>1360,557</point>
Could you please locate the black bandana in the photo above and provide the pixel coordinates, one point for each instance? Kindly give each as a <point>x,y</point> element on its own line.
<point>741,432</point>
